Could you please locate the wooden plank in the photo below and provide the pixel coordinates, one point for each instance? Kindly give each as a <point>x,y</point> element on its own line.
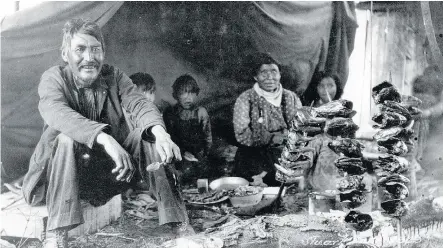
<point>22,220</point>
<point>271,243</point>
<point>98,217</point>
<point>18,225</point>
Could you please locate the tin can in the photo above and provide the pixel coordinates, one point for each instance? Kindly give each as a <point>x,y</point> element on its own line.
<point>321,202</point>
<point>202,185</point>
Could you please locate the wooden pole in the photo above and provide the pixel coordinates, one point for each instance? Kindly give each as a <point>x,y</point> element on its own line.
<point>399,233</point>
<point>430,33</point>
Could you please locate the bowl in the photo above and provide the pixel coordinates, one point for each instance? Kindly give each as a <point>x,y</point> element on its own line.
<point>247,200</point>
<point>228,183</point>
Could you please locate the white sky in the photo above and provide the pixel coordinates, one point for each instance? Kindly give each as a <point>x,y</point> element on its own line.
<point>7,7</point>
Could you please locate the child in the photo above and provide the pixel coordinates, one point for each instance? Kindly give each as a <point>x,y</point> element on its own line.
<point>190,128</point>
<point>323,175</point>
<point>323,88</point>
<point>145,84</point>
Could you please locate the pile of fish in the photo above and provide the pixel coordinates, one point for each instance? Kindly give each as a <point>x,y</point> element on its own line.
<point>338,114</point>
<point>245,190</point>
<point>337,108</point>
<point>296,157</point>
<point>333,118</point>
<point>350,163</point>
<point>394,137</point>
<point>395,110</point>
<point>308,122</point>
<point>208,197</point>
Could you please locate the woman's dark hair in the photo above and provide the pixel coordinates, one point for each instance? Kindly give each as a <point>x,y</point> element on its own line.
<point>311,93</point>
<point>143,81</point>
<point>262,59</point>
<point>184,83</point>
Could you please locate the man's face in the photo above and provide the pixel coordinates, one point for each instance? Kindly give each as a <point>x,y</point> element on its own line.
<point>268,77</point>
<point>85,57</point>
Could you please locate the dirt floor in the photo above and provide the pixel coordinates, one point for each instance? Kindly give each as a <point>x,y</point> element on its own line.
<point>131,232</point>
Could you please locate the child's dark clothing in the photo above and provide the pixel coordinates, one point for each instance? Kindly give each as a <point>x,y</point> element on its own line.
<point>190,129</point>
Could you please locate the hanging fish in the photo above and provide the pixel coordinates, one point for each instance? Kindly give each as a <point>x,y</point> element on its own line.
<point>336,108</point>
<point>347,146</point>
<point>396,190</point>
<point>349,183</point>
<point>343,127</point>
<point>352,199</point>
<point>353,166</point>
<point>385,91</point>
<point>400,133</point>
<point>391,164</point>
<point>393,146</point>
<point>393,178</point>
<point>395,208</point>
<point>359,221</point>
<point>387,119</point>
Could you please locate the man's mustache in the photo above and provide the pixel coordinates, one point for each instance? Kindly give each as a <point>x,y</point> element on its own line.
<point>96,65</point>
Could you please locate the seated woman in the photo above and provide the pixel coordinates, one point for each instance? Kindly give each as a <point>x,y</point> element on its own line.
<point>323,175</point>
<point>261,119</point>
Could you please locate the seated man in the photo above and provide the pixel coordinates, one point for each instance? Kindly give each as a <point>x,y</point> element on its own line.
<point>87,150</point>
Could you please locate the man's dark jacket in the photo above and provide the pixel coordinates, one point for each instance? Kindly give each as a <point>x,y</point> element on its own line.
<point>59,108</point>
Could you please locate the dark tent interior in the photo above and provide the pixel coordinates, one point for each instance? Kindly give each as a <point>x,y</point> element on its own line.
<point>212,41</point>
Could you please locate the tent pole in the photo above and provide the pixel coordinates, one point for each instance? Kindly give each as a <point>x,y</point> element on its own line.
<point>430,33</point>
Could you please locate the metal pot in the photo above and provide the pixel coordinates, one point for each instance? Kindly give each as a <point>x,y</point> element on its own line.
<point>228,183</point>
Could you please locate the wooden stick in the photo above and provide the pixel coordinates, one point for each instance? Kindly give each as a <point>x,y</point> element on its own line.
<point>14,189</point>
<point>399,231</point>
<point>437,58</point>
<point>329,97</point>
<point>114,235</point>
<point>12,203</point>
<point>354,236</point>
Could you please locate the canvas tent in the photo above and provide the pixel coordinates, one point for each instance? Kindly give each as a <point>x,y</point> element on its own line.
<point>210,40</point>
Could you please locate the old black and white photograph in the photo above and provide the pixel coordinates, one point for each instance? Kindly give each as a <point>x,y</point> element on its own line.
<point>221,124</point>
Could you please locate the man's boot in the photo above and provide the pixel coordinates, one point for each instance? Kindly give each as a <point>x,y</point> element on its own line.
<point>57,238</point>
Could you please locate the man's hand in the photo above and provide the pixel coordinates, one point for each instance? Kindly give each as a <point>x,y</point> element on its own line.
<point>166,148</point>
<point>121,158</point>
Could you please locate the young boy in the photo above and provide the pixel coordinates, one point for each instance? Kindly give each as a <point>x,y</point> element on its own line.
<point>189,126</point>
<point>145,84</point>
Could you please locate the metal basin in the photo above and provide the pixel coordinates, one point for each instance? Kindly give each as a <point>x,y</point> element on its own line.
<point>228,183</point>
